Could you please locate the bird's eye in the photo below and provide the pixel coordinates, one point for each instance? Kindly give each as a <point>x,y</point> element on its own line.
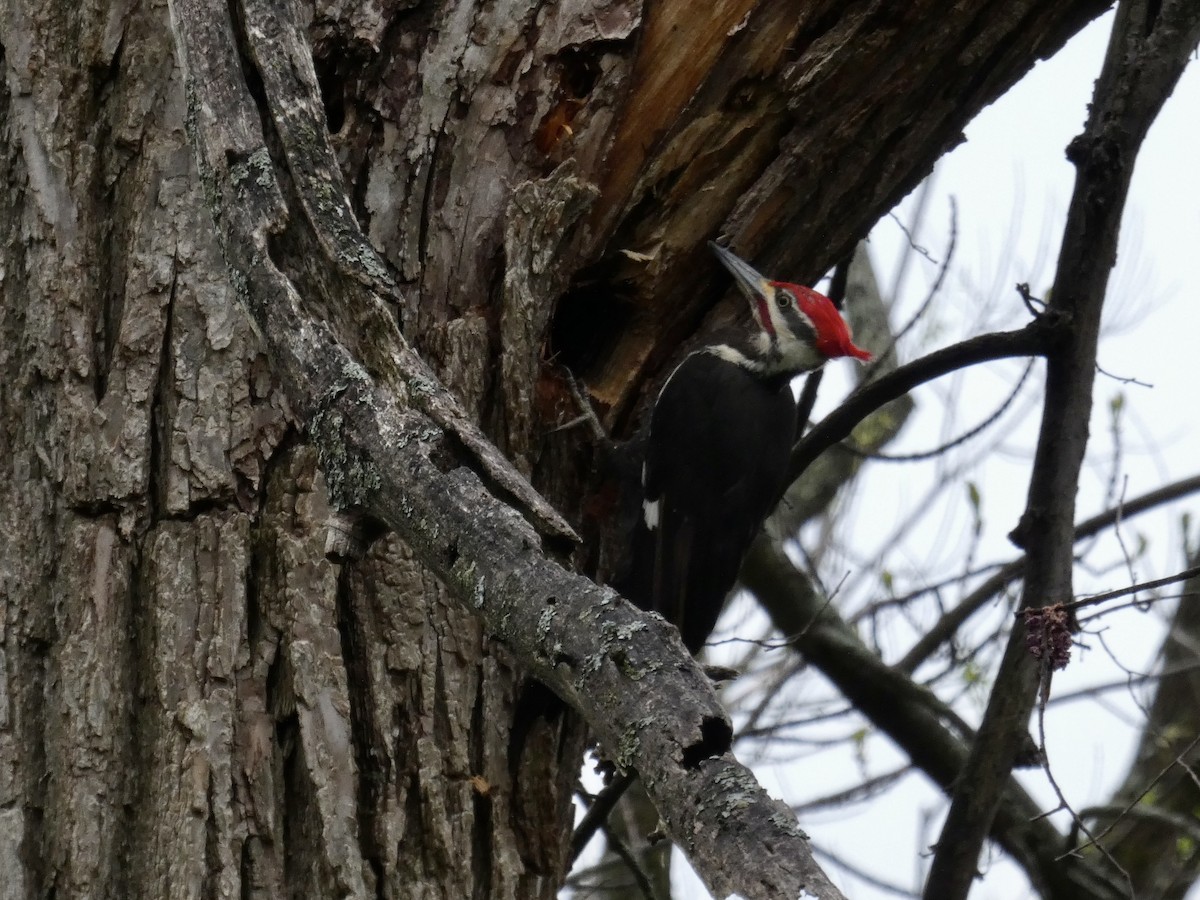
<point>784,299</point>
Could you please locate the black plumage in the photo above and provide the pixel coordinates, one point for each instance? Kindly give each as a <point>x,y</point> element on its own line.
<point>708,489</point>
<point>717,454</point>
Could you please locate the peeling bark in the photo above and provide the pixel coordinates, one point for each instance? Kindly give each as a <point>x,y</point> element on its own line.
<point>217,681</point>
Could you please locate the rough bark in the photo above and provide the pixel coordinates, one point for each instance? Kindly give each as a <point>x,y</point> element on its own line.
<point>196,700</point>
<point>213,682</point>
<point>387,435</point>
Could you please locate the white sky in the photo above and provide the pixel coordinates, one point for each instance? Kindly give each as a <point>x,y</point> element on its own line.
<point>1012,184</point>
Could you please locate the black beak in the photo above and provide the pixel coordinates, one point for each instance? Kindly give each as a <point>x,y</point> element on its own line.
<point>748,279</point>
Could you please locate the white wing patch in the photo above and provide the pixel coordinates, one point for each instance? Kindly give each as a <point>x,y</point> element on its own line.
<point>650,510</point>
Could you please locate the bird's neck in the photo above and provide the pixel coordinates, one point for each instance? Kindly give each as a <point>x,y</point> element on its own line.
<point>768,358</point>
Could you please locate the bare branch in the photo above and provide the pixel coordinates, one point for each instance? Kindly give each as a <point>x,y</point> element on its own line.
<point>859,872</point>
<point>856,793</point>
<point>1083,602</point>
<point>597,814</point>
<point>911,715</point>
<point>1034,339</point>
<point>948,625</point>
<point>936,287</point>
<point>1191,827</point>
<point>1077,820</point>
<point>961,439</point>
<point>1148,50</point>
<point>1151,835</point>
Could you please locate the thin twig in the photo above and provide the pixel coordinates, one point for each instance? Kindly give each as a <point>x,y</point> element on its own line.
<point>1140,605</point>
<point>1178,760</point>
<point>599,812</point>
<point>865,790</point>
<point>1032,340</point>
<point>1083,602</point>
<point>933,291</point>
<point>1122,378</point>
<point>587,415</point>
<point>955,442</point>
<point>1035,305</point>
<point>1044,694</point>
<point>640,878</point>
<point>908,235</point>
<point>948,625</point>
<point>873,880</point>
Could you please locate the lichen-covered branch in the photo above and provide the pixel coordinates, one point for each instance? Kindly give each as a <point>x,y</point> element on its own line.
<point>389,445</point>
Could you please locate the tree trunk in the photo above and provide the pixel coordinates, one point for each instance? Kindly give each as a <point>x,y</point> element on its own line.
<point>215,684</point>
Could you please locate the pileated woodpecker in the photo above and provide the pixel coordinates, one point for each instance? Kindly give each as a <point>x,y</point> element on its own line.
<point>720,437</point>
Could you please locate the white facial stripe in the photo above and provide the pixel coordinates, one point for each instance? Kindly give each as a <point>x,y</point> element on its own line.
<point>650,510</point>
<point>727,353</point>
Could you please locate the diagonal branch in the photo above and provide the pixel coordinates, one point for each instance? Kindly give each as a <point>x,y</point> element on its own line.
<point>391,443</point>
<point>911,715</point>
<point>947,626</point>
<point>1150,46</point>
<point>1151,825</point>
<point>1034,339</point>
<point>919,723</point>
